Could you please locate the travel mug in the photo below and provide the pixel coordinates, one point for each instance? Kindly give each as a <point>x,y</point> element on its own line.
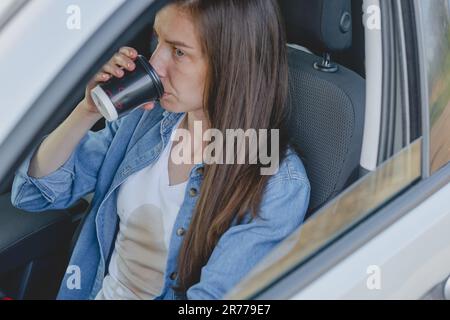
<point>119,96</point>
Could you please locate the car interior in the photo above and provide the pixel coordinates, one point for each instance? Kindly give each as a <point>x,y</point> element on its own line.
<point>327,103</point>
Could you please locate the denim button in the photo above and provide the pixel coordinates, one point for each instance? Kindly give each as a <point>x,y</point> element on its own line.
<point>173,275</point>
<point>181,232</point>
<point>193,192</point>
<point>200,170</point>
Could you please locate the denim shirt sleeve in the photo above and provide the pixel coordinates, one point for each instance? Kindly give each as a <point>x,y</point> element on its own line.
<point>242,246</point>
<point>74,179</point>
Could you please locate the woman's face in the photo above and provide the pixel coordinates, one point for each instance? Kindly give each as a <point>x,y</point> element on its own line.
<point>179,61</point>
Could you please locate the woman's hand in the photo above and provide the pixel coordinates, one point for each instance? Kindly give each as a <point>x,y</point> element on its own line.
<point>124,59</point>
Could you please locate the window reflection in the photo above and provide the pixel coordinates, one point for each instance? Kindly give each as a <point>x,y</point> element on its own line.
<point>436,39</point>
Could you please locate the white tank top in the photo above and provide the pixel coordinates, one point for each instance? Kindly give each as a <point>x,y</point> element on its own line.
<point>147,207</point>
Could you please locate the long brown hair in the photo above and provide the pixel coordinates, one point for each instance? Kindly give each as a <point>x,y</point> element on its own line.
<point>247,85</point>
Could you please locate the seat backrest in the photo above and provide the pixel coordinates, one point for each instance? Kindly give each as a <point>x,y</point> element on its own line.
<point>327,108</point>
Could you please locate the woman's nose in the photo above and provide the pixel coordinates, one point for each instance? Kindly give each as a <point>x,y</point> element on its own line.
<point>158,64</point>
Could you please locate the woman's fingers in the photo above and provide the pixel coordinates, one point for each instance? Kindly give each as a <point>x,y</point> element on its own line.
<point>123,61</point>
<point>129,52</point>
<point>112,69</point>
<point>102,77</point>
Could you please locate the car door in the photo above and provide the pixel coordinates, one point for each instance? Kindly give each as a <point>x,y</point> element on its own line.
<point>49,52</point>
<point>386,237</point>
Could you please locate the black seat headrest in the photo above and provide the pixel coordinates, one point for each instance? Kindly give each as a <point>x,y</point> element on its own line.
<point>320,25</point>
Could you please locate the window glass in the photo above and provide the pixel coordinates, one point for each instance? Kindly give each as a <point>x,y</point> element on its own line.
<point>436,42</point>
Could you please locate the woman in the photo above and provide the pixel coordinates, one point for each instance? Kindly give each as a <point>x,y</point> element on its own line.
<point>158,229</point>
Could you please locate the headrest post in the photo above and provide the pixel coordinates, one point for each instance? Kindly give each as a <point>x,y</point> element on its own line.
<point>326,65</point>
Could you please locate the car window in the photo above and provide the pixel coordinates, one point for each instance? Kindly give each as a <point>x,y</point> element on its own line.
<point>399,170</point>
<point>4,7</point>
<point>436,43</point>
<point>8,8</point>
<point>28,32</point>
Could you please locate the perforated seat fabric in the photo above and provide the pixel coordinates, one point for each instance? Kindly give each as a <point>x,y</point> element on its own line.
<point>326,124</point>
<point>327,109</point>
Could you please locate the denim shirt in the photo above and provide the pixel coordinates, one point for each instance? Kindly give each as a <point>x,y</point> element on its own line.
<point>103,160</point>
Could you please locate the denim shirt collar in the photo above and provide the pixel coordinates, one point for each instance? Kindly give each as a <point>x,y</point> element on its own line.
<point>170,119</point>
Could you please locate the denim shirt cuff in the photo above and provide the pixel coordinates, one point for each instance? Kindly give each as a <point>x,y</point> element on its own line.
<point>48,185</point>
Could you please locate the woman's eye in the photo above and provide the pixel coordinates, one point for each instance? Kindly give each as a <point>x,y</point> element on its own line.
<point>179,53</point>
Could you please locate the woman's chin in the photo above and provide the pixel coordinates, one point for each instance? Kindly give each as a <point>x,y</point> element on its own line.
<point>168,105</point>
